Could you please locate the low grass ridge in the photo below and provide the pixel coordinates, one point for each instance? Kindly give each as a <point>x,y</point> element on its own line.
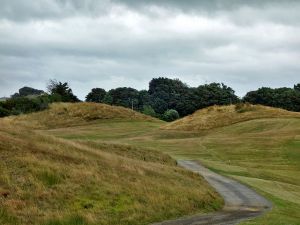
<point>73,114</point>
<point>219,116</point>
<point>50,180</point>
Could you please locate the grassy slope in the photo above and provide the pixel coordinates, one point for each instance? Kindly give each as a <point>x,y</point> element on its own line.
<point>68,115</point>
<point>262,153</point>
<point>48,180</point>
<point>262,150</point>
<point>257,145</point>
<point>219,116</point>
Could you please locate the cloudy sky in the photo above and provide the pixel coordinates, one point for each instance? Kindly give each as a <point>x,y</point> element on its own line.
<point>114,43</point>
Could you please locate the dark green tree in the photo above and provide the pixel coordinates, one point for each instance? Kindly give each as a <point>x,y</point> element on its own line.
<point>4,112</point>
<point>286,98</point>
<point>170,93</point>
<point>159,105</point>
<point>27,91</point>
<point>108,99</point>
<point>173,94</point>
<point>96,95</point>
<point>214,94</point>
<point>148,110</point>
<point>126,97</point>
<point>61,91</point>
<point>297,87</point>
<point>263,96</point>
<point>144,99</point>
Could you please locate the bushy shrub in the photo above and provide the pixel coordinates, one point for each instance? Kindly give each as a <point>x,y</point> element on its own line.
<point>171,115</point>
<point>19,105</point>
<point>4,112</point>
<point>148,110</point>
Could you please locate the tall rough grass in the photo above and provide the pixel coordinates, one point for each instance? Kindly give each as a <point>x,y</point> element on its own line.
<point>49,180</point>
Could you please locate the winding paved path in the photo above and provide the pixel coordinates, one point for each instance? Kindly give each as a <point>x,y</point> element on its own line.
<point>241,202</point>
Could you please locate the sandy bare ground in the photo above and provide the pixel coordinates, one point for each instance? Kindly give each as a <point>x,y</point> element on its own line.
<point>241,202</point>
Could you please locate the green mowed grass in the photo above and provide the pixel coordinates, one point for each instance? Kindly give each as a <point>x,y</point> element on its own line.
<point>110,129</point>
<point>262,153</point>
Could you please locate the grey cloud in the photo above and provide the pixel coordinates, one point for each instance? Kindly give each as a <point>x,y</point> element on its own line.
<point>23,10</point>
<point>240,11</point>
<point>207,5</point>
<point>126,43</point>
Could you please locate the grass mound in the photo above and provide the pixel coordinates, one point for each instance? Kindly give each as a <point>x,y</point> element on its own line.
<point>219,116</point>
<point>71,114</point>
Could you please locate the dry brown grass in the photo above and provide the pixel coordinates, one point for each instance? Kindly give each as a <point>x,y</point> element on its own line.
<point>219,116</point>
<point>52,181</point>
<point>71,114</point>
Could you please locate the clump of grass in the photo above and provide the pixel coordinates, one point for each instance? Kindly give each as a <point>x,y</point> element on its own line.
<point>49,178</point>
<point>244,107</point>
<point>6,218</point>
<point>70,220</point>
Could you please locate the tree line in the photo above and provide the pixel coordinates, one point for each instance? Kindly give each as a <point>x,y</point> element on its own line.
<point>167,99</point>
<point>286,98</point>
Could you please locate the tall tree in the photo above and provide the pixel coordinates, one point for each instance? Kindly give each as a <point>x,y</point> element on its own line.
<point>61,91</point>
<point>170,94</point>
<point>96,95</point>
<point>144,99</point>
<point>214,94</point>
<point>125,96</point>
<point>108,99</point>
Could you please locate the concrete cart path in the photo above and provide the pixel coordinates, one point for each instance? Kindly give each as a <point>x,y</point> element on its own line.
<point>241,202</point>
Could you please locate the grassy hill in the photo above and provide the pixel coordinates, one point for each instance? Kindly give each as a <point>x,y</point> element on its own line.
<point>72,114</point>
<point>63,166</point>
<point>219,116</point>
<point>49,180</point>
<point>257,145</point>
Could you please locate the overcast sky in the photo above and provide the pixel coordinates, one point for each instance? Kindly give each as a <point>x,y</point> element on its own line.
<point>117,43</point>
